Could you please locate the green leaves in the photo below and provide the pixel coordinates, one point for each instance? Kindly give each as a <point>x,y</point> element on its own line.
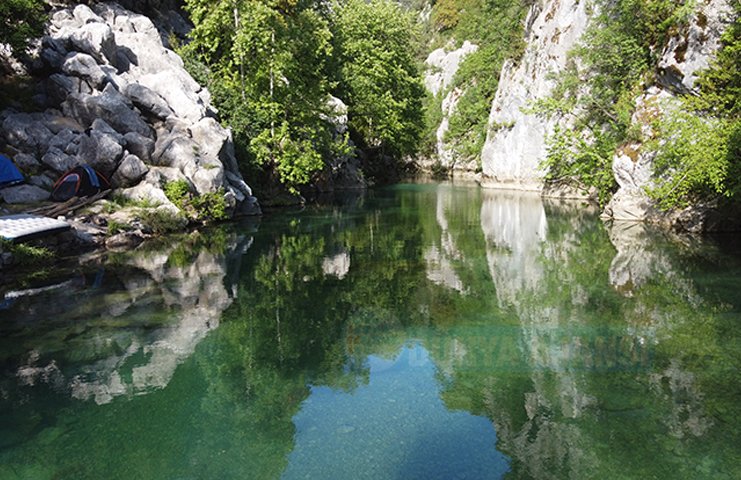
<point>699,152</point>
<point>268,73</point>
<point>378,76</point>
<point>20,21</point>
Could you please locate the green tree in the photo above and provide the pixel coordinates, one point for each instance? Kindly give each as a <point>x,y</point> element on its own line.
<point>699,152</point>
<point>615,59</point>
<point>266,65</point>
<point>21,20</point>
<point>378,76</point>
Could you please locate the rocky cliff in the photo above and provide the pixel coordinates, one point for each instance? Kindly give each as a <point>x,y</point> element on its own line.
<point>442,65</point>
<point>516,142</point>
<point>689,50</point>
<point>115,97</point>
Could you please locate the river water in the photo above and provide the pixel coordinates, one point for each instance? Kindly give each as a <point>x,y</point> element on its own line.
<point>419,331</point>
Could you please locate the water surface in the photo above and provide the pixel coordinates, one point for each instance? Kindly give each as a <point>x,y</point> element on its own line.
<point>420,331</point>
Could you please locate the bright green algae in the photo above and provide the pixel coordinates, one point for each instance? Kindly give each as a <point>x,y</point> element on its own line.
<point>420,331</point>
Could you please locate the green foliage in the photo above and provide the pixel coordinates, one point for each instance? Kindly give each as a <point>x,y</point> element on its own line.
<point>572,155</point>
<point>496,27</point>
<point>614,60</point>
<point>115,227</point>
<point>265,63</point>
<point>210,206</point>
<point>162,221</point>
<point>25,255</point>
<point>178,192</point>
<point>378,76</point>
<point>20,21</point>
<point>699,152</point>
<point>204,207</point>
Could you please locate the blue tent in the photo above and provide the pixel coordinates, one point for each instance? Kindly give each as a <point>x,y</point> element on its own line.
<point>9,174</point>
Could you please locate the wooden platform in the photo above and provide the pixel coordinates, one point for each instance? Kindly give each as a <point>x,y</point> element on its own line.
<point>24,226</point>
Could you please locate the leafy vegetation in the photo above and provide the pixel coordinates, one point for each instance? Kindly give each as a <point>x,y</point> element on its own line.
<point>496,27</point>
<point>699,155</point>
<point>272,65</point>
<point>378,75</point>
<point>25,254</point>
<point>204,207</point>
<point>597,91</point>
<point>20,21</point>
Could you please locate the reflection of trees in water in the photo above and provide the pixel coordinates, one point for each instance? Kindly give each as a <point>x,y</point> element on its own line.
<point>572,419</point>
<point>318,292</point>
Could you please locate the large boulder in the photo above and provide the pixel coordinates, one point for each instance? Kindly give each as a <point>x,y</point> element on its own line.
<point>26,132</point>
<point>123,102</point>
<point>111,106</point>
<point>24,194</point>
<point>102,150</point>
<point>129,172</point>
<point>147,100</point>
<point>85,67</point>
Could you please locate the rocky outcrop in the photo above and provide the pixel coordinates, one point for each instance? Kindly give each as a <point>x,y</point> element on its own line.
<point>516,142</point>
<point>116,98</point>
<point>442,66</point>
<point>690,50</point>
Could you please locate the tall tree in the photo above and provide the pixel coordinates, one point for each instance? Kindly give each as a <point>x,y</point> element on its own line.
<point>378,76</point>
<point>267,62</point>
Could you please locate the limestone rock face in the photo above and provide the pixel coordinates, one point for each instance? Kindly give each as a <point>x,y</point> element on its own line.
<point>688,52</point>
<point>693,46</point>
<point>515,145</point>
<point>442,66</point>
<point>118,99</point>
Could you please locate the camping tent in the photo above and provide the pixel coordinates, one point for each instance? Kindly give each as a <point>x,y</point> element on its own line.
<point>9,174</point>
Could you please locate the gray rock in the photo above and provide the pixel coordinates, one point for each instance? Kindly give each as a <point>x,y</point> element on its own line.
<point>56,123</point>
<point>139,145</point>
<point>84,66</point>
<point>176,151</point>
<point>443,65</point>
<point>692,46</point>
<point>110,106</point>
<point>179,90</point>
<point>124,240</point>
<point>208,180</point>
<point>59,86</point>
<point>147,100</point>
<point>65,141</point>
<point>129,172</point>
<point>83,14</point>
<point>59,161</point>
<point>516,143</point>
<point>101,150</point>
<point>95,39</point>
<point>26,162</point>
<point>150,188</point>
<point>45,181</point>
<point>101,126</point>
<point>26,132</point>
<point>238,183</point>
<point>24,194</point>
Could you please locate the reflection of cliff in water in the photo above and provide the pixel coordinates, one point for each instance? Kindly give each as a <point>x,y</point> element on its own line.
<point>122,330</point>
<point>583,341</point>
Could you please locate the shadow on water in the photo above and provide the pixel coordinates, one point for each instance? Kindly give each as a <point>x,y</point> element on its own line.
<point>419,331</point>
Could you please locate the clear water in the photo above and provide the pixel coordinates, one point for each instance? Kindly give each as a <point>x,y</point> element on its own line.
<point>420,331</point>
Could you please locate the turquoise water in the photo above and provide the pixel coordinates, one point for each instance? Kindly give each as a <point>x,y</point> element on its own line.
<point>420,331</point>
